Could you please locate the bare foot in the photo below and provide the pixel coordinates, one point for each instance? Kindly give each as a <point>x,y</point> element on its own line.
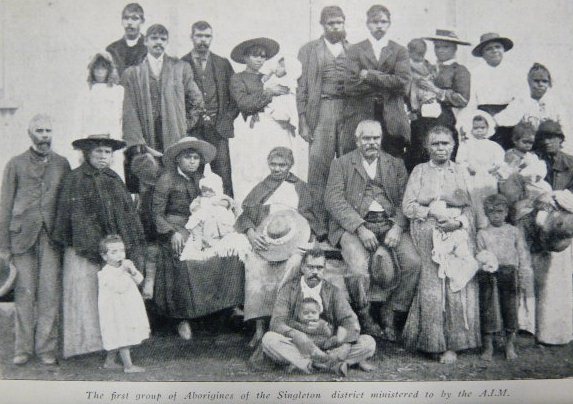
<point>112,365</point>
<point>510,353</point>
<point>147,292</point>
<point>487,354</point>
<point>366,366</point>
<point>448,357</point>
<point>134,369</point>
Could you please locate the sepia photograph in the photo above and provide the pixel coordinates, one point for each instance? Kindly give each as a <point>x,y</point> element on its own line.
<point>265,191</point>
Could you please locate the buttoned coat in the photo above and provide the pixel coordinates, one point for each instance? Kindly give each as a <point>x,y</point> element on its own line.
<point>181,103</point>
<point>346,187</point>
<point>227,107</point>
<point>388,80</point>
<point>30,190</point>
<point>562,172</point>
<point>308,92</point>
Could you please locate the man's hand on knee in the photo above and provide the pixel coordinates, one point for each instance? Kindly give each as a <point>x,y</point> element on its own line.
<point>367,238</point>
<point>393,236</point>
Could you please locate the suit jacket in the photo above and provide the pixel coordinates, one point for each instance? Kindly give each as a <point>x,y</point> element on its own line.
<point>30,190</point>
<point>227,108</point>
<point>337,311</point>
<point>311,57</point>
<point>181,103</point>
<point>388,80</point>
<point>560,173</point>
<point>346,187</point>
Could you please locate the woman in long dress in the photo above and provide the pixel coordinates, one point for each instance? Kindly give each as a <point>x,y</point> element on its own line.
<point>93,204</point>
<point>256,132</point>
<point>553,270</point>
<point>444,316</point>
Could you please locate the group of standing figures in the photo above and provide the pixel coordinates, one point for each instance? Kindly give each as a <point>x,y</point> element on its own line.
<point>446,193</point>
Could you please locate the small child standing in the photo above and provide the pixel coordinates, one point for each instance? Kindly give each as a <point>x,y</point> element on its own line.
<point>321,334</point>
<point>423,103</point>
<point>500,290</point>
<point>122,316</point>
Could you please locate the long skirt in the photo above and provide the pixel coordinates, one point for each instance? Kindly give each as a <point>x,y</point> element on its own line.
<point>554,296</point>
<point>250,147</point>
<point>191,289</point>
<point>439,319</point>
<point>262,282</point>
<point>81,327</point>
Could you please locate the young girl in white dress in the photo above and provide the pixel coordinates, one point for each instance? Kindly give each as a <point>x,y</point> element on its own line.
<point>122,316</point>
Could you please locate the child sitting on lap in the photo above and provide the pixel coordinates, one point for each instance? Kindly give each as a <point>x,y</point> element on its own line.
<point>122,316</point>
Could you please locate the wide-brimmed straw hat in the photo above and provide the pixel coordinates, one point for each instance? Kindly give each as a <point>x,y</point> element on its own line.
<point>100,139</point>
<point>491,37</point>
<point>271,47</point>
<point>446,36</point>
<point>202,147</point>
<point>8,274</point>
<point>286,231</point>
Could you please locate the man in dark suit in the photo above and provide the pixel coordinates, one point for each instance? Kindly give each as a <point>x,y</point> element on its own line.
<point>378,78</point>
<point>32,181</point>
<point>319,98</point>
<point>130,49</point>
<point>212,75</point>
<point>363,197</point>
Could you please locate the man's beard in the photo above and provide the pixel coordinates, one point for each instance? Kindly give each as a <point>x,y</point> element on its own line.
<point>335,36</point>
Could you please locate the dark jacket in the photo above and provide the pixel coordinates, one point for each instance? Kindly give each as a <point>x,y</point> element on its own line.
<point>94,204</point>
<point>125,56</point>
<point>171,199</point>
<point>30,190</point>
<point>254,211</point>
<point>247,91</point>
<point>308,92</point>
<point>560,172</point>
<point>454,79</point>
<point>388,80</point>
<point>227,108</point>
<point>346,186</point>
<point>337,311</point>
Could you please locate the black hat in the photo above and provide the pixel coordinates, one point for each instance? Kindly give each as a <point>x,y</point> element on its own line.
<point>102,139</point>
<point>271,46</point>
<point>491,37</point>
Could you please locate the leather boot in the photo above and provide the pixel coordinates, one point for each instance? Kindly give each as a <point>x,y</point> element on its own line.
<point>367,324</point>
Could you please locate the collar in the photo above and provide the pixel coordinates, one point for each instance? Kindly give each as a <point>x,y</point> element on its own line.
<point>197,55</point>
<point>334,48</point>
<point>379,43</point>
<point>90,170</point>
<point>132,42</point>
<point>447,62</point>
<point>181,173</point>
<point>37,155</point>
<point>314,293</point>
<point>449,166</point>
<point>156,63</point>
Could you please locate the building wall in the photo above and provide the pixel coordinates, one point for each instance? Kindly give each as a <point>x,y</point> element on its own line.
<point>47,43</point>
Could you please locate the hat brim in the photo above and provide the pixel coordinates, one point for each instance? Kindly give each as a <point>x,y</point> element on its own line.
<point>8,274</point>
<point>205,149</point>
<point>299,237</point>
<point>447,39</point>
<point>506,42</point>
<point>90,143</point>
<point>271,46</point>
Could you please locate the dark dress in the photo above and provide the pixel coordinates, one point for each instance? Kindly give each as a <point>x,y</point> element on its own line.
<point>189,289</point>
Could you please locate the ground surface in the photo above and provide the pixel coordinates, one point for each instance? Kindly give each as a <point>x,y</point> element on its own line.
<point>221,353</point>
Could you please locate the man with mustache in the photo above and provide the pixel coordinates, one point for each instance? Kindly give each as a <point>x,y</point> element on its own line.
<point>378,79</point>
<point>280,343</point>
<point>32,181</point>
<point>363,197</point>
<point>213,75</point>
<point>161,103</point>
<point>319,97</point>
<point>130,49</point>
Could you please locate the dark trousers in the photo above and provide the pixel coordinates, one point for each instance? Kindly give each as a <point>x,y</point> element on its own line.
<point>221,164</point>
<point>498,299</point>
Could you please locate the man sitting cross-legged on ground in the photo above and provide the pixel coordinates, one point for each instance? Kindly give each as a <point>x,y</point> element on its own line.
<point>280,344</point>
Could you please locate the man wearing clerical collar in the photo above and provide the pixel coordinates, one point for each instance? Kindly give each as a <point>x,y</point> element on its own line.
<point>280,343</point>
<point>32,181</point>
<point>377,80</point>
<point>213,76</point>
<point>364,199</point>
<point>130,50</point>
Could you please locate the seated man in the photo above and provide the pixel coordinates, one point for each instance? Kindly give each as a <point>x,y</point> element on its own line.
<point>281,342</point>
<point>364,197</point>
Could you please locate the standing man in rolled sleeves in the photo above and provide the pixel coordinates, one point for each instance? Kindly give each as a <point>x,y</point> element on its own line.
<point>364,199</point>
<point>161,103</point>
<point>378,79</point>
<point>32,181</point>
<point>320,101</point>
<point>130,50</point>
<point>213,75</point>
